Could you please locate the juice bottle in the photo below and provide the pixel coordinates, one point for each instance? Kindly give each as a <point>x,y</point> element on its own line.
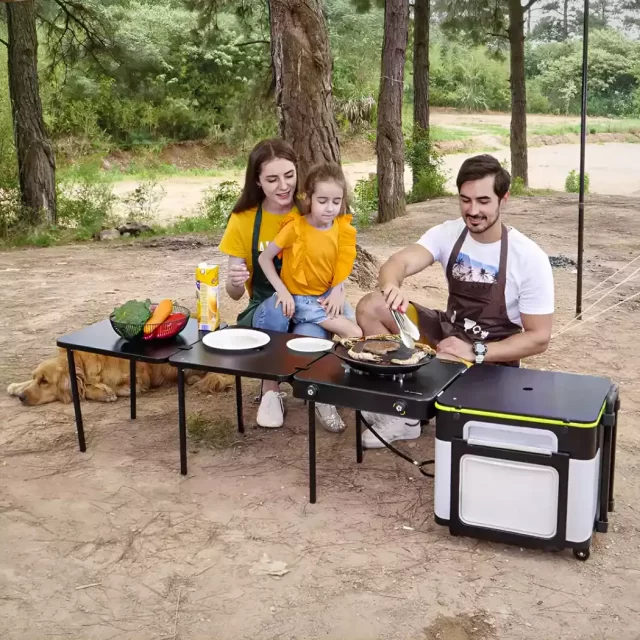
<point>207,284</point>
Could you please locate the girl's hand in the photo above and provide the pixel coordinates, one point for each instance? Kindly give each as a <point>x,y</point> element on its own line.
<point>238,274</point>
<point>286,300</point>
<point>334,303</point>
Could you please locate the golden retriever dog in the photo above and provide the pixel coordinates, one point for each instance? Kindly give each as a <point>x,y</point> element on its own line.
<point>104,379</point>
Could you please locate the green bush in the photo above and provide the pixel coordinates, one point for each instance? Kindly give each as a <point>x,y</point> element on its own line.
<point>85,207</point>
<point>218,201</point>
<point>572,183</point>
<point>517,187</point>
<point>364,203</point>
<point>429,179</point>
<point>142,203</point>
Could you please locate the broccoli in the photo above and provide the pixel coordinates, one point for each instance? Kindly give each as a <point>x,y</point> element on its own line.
<point>133,312</point>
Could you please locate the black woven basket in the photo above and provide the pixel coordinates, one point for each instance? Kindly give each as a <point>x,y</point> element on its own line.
<point>135,332</point>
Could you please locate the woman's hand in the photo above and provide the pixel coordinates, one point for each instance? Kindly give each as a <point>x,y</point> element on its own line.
<point>334,303</point>
<point>238,274</point>
<point>286,300</point>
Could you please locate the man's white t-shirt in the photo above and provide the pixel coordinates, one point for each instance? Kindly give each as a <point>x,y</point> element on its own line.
<point>529,288</point>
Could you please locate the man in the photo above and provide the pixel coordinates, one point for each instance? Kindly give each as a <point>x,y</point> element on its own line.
<point>501,292</point>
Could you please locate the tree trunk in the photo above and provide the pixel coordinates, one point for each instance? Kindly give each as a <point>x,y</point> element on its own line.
<point>390,142</point>
<point>365,269</point>
<point>565,20</point>
<point>302,74</point>
<point>422,14</point>
<point>519,162</point>
<point>36,159</point>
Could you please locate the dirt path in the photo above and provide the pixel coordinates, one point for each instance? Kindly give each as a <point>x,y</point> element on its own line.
<point>612,169</point>
<point>115,544</point>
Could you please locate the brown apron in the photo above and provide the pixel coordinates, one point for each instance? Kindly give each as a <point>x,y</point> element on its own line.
<point>476,311</point>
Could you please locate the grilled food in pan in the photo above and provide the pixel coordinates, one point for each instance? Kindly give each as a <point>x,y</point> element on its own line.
<point>382,354</point>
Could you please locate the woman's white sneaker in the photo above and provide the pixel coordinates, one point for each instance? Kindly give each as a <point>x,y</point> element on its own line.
<point>389,428</point>
<point>271,410</point>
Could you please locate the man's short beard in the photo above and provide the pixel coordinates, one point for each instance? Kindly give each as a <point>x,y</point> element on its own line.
<point>497,218</point>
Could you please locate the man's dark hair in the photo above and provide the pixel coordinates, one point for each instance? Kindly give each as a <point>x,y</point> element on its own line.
<point>482,166</point>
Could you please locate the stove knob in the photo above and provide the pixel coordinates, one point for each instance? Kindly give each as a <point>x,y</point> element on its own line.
<point>312,390</point>
<point>400,406</point>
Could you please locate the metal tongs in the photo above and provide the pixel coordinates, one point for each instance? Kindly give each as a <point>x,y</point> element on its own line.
<point>409,333</point>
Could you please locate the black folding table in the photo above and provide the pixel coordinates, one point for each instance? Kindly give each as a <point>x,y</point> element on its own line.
<point>102,339</point>
<point>274,361</point>
<point>329,380</point>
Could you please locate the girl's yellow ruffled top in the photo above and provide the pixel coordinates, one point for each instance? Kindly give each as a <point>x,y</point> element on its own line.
<point>315,260</point>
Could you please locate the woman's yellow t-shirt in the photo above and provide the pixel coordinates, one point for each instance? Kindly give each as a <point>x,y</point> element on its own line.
<point>238,235</point>
<point>318,263</point>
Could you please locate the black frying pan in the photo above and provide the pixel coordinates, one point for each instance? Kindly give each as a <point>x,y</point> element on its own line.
<point>385,366</point>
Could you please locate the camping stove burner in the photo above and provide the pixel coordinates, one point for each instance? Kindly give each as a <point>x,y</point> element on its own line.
<point>393,377</point>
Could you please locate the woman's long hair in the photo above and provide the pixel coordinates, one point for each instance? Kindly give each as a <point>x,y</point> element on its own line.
<point>263,152</point>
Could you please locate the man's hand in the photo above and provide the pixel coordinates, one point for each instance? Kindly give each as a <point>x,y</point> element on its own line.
<point>406,262</point>
<point>333,304</point>
<point>396,299</point>
<point>455,347</point>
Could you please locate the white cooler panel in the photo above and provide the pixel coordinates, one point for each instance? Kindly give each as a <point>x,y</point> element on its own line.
<point>509,496</point>
<point>507,436</point>
<point>442,480</point>
<point>582,498</point>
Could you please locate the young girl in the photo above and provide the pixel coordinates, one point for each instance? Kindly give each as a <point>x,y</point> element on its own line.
<point>318,251</point>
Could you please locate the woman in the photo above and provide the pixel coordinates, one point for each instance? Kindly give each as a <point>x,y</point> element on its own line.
<point>268,195</point>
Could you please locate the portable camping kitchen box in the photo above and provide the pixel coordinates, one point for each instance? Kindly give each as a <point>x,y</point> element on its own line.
<point>526,457</point>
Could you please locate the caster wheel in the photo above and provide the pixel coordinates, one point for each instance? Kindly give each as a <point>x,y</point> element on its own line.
<point>582,554</point>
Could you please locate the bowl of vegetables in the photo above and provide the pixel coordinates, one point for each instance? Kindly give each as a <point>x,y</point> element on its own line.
<point>143,320</point>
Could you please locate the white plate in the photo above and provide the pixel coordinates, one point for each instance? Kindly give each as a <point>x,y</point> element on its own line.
<point>236,339</point>
<point>309,345</point>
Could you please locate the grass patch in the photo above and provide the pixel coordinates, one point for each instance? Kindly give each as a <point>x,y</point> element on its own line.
<point>445,134</point>
<point>91,169</point>
<point>613,126</point>
<point>218,433</point>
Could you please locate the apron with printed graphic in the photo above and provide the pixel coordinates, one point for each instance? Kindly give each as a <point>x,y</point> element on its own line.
<point>261,287</point>
<point>475,310</point>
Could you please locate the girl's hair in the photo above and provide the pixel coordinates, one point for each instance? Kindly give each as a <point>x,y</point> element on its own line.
<point>263,152</point>
<point>323,172</point>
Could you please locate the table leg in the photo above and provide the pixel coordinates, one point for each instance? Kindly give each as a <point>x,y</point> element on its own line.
<point>358,436</point>
<point>239,404</point>
<point>76,399</point>
<point>132,387</point>
<point>182,423</point>
<point>312,452</point>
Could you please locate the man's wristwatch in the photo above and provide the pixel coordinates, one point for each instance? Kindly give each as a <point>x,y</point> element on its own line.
<point>480,351</point>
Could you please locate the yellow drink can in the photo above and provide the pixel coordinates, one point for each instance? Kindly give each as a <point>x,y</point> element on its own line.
<point>207,289</point>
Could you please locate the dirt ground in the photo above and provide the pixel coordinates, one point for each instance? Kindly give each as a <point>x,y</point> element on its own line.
<point>115,543</point>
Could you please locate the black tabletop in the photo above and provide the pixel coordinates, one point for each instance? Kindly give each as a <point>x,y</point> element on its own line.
<point>274,361</point>
<point>334,384</point>
<point>101,338</point>
<point>551,395</point>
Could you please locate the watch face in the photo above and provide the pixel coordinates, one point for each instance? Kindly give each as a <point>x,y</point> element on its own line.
<point>479,349</point>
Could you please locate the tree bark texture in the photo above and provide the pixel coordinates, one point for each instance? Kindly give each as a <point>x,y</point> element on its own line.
<point>390,142</point>
<point>519,161</point>
<point>421,19</point>
<point>302,73</point>
<point>36,158</point>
